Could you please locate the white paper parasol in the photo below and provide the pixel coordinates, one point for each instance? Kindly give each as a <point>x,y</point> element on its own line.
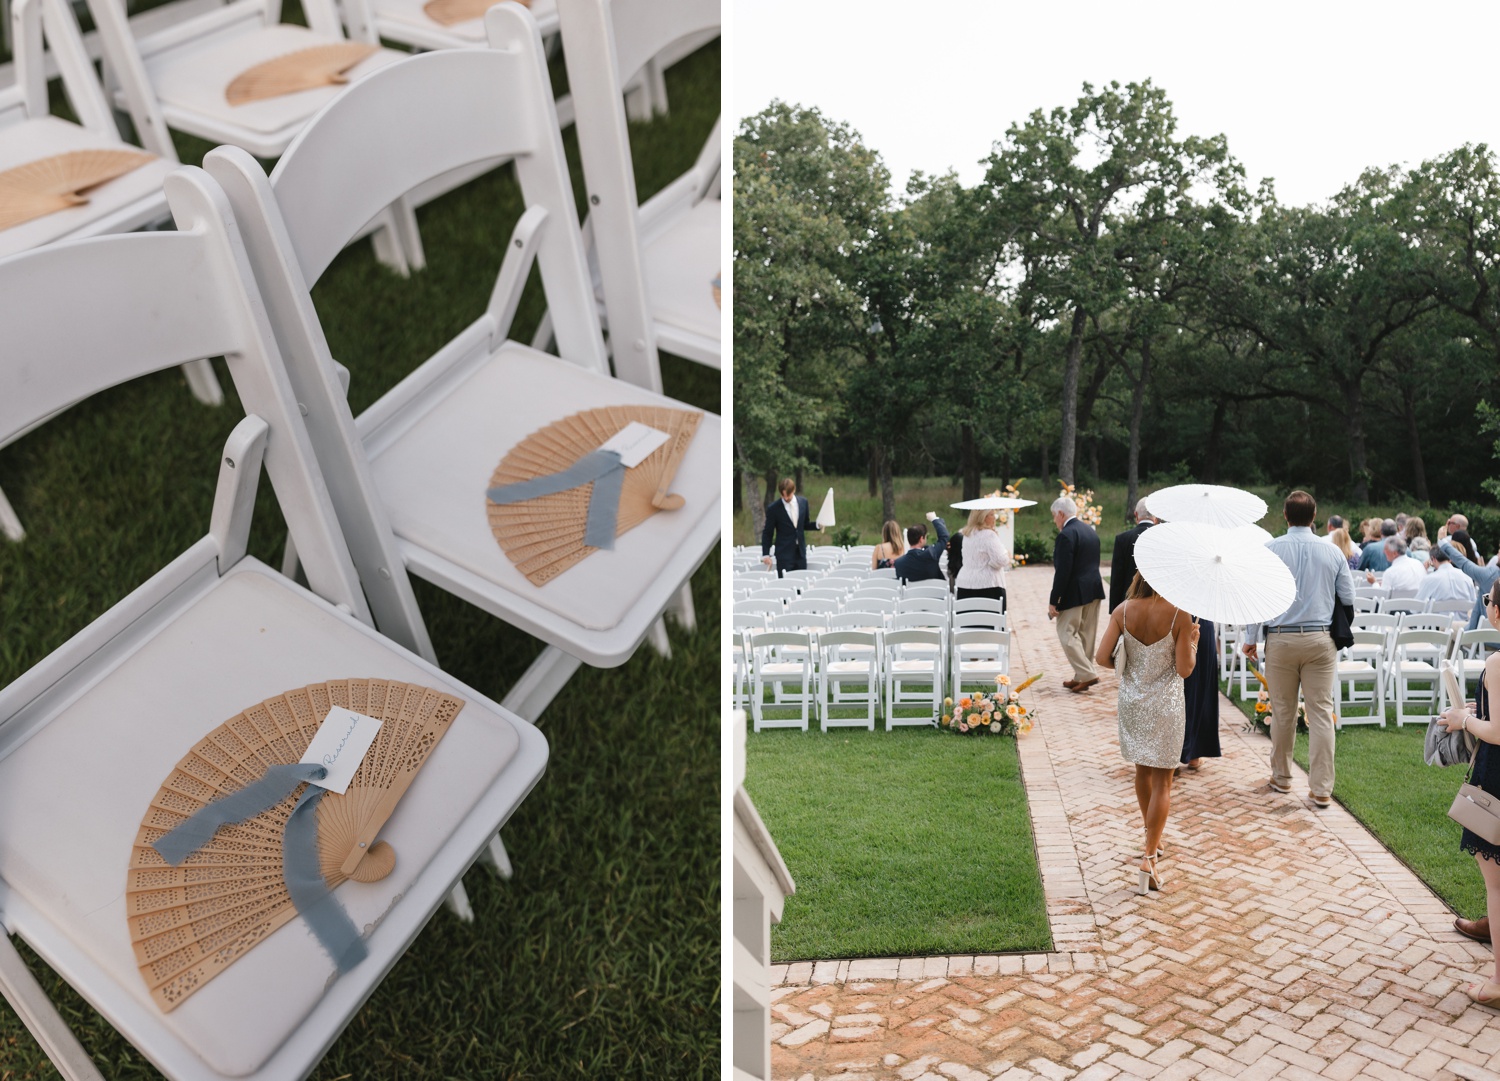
<point>825,516</point>
<point>1252,532</point>
<point>1210,504</point>
<point>1212,573</point>
<point>993,502</point>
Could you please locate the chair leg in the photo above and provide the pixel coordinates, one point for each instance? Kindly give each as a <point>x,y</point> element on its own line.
<point>457,902</point>
<point>386,241</point>
<point>657,636</point>
<point>496,858</point>
<point>404,217</point>
<point>681,608</point>
<point>542,339</point>
<point>203,383</point>
<point>41,1018</point>
<point>10,525</point>
<point>291,565</point>
<point>541,683</point>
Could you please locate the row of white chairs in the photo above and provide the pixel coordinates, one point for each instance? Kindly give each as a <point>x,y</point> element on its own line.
<point>367,500</point>
<point>888,670</point>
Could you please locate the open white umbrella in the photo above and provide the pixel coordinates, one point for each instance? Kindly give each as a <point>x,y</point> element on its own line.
<point>1210,504</point>
<point>993,502</point>
<point>1219,574</point>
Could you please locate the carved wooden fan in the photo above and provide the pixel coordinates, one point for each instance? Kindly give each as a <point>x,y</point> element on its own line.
<point>305,69</point>
<point>448,12</point>
<point>189,923</point>
<point>718,291</point>
<point>544,536</point>
<point>47,185</point>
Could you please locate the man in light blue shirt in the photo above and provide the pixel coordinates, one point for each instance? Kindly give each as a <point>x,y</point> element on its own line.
<point>1299,650</point>
<point>1482,576</point>
<point>1446,582</point>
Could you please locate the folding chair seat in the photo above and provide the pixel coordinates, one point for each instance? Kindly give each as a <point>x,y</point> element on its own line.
<point>30,133</point>
<point>178,78</point>
<point>913,657</point>
<point>408,477</point>
<point>978,657</point>
<point>768,669</point>
<point>1416,656</point>
<point>849,671</point>
<point>657,265</point>
<point>88,735</point>
<point>1362,663</point>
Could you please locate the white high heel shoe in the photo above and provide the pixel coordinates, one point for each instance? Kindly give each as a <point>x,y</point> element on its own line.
<point>1148,880</point>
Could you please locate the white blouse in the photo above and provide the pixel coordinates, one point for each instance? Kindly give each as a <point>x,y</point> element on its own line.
<point>984,561</point>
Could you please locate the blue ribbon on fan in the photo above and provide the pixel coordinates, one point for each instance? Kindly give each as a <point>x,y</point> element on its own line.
<point>300,868</point>
<point>607,472</point>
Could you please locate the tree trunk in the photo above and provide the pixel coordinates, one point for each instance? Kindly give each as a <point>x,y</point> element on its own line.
<point>873,478</point>
<point>1046,466</point>
<point>1419,473</point>
<point>1010,432</point>
<point>1093,461</point>
<point>797,476</point>
<point>751,485</point>
<point>1074,360</point>
<point>969,461</point>
<point>1215,441</point>
<point>1137,407</point>
<point>887,487</point>
<point>1359,459</point>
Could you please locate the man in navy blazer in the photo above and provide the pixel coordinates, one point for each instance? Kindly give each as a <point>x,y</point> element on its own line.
<point>1122,563</point>
<point>921,561</point>
<point>786,520</point>
<point>1077,590</point>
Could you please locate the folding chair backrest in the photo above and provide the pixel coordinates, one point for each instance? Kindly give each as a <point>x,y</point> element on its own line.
<point>912,637</point>
<point>922,604</point>
<point>820,605</point>
<point>834,597</point>
<point>919,619</point>
<point>1403,600</point>
<point>977,604</point>
<point>759,607</point>
<point>1424,621</point>
<point>33,23</point>
<point>1375,621</point>
<point>833,642</point>
<point>605,42</point>
<point>971,640</point>
<point>769,639</point>
<point>1478,642</point>
<point>973,618</point>
<point>749,621</point>
<point>883,588</point>
<point>856,621</point>
<point>1369,638</point>
<point>154,301</point>
<point>1366,604</point>
<point>1459,610</point>
<point>1424,639</point>
<point>799,621</point>
<point>936,590</point>
<point>883,605</point>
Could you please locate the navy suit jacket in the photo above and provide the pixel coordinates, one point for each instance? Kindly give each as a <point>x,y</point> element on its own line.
<point>1122,563</point>
<point>921,564</point>
<point>1075,567</point>
<point>791,545</point>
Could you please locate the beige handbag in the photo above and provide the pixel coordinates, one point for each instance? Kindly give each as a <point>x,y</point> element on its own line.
<point>1476,810</point>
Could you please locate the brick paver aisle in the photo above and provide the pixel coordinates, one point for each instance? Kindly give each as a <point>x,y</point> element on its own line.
<point>1287,942</point>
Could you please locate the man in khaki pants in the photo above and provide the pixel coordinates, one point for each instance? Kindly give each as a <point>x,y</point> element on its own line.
<point>1299,651</point>
<point>1077,590</point>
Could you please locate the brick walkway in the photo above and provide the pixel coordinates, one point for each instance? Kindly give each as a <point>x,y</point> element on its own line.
<point>1287,942</point>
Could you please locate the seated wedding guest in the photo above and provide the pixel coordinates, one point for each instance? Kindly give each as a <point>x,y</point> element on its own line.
<point>1335,523</point>
<point>1339,538</point>
<point>1483,577</point>
<point>924,561</point>
<point>1369,532</point>
<point>1446,582</point>
<point>1465,543</point>
<point>1404,574</point>
<point>1401,520</point>
<point>890,547</point>
<point>1416,530</point>
<point>984,559</point>
<point>1373,558</point>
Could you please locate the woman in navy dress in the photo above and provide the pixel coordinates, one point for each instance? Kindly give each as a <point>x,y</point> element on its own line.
<point>1486,774</point>
<point>1200,738</point>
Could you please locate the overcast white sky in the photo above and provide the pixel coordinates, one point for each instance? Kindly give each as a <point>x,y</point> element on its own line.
<point>1308,92</point>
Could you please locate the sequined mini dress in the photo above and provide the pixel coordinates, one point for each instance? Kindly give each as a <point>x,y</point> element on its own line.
<point>1153,711</point>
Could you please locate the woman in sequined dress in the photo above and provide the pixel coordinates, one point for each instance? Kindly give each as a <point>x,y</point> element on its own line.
<point>1486,775</point>
<point>1159,649</point>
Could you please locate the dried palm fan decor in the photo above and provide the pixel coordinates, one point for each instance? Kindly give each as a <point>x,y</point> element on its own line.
<point>47,185</point>
<point>718,296</point>
<point>305,69</point>
<point>448,12</point>
<point>544,535</point>
<point>191,921</point>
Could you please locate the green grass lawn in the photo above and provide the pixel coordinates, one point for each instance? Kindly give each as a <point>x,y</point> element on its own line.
<point>1381,778</point>
<point>901,843</point>
<point>601,957</point>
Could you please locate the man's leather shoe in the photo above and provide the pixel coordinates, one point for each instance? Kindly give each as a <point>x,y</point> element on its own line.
<point>1084,685</point>
<point>1478,930</point>
<point>1070,683</point>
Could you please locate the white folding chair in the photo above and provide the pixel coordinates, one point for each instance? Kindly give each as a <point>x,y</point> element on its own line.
<point>927,591</point>
<point>849,671</point>
<point>820,605</point>
<point>913,658</point>
<point>765,607</point>
<point>658,263</point>
<point>1376,591</point>
<point>885,607</point>
<point>408,477</point>
<point>1403,602</point>
<point>1471,649</point>
<point>29,132</point>
<point>1457,611</point>
<point>1417,654</point>
<point>933,605</point>
<point>1366,604</point>
<point>978,657</point>
<point>1363,663</point>
<point>820,592</point>
<point>88,735</point>
<point>978,617</point>
<point>177,78</point>
<point>783,594</point>
<point>769,669</point>
<point>881,574</point>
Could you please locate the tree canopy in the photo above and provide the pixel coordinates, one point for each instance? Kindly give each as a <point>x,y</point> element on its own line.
<point>1110,303</point>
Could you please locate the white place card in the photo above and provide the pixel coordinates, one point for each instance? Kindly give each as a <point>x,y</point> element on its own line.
<point>341,744</point>
<point>634,442</point>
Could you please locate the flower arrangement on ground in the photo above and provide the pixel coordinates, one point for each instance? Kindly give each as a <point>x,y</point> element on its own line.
<point>998,713</point>
<point>1261,720</point>
<point>1088,511</point>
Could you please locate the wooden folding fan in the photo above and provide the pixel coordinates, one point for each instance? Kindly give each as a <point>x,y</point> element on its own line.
<point>718,293</point>
<point>544,536</point>
<point>305,69</point>
<point>190,922</point>
<point>448,12</point>
<point>47,185</point>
